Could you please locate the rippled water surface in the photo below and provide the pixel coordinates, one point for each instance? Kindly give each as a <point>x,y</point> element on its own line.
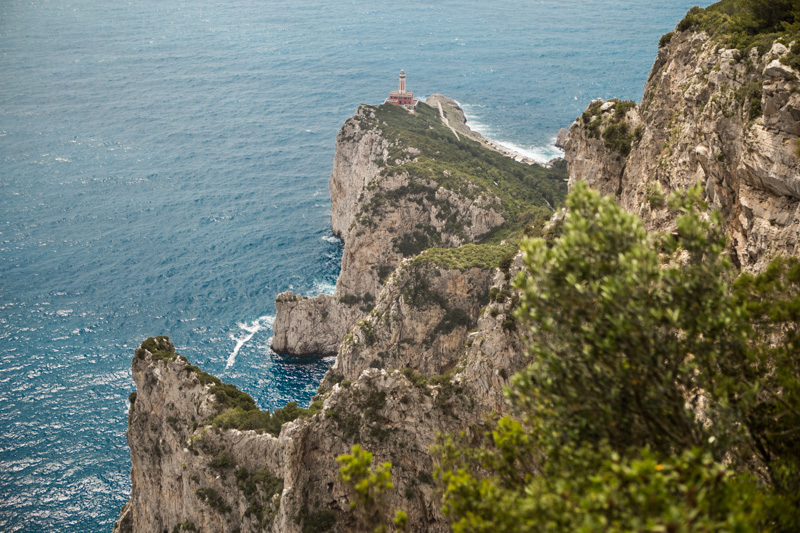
<point>164,167</point>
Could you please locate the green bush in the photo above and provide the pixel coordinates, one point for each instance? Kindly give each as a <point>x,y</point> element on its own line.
<point>214,500</point>
<point>660,389</point>
<point>319,522</point>
<point>743,24</point>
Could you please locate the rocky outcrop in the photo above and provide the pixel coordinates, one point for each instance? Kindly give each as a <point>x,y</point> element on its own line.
<point>728,119</point>
<point>189,473</point>
<point>421,321</point>
<point>324,315</point>
<point>382,215</point>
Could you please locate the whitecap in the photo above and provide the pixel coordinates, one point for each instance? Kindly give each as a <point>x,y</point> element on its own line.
<point>322,287</point>
<point>540,154</point>
<point>250,330</point>
<point>331,239</point>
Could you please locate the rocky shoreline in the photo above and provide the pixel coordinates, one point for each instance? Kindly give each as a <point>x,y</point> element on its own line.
<point>421,318</point>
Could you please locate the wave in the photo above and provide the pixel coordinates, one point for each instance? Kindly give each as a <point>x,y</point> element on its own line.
<point>250,330</point>
<point>540,154</point>
<point>322,287</point>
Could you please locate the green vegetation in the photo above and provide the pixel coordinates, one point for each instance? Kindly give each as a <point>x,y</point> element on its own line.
<point>744,24</point>
<point>316,522</point>
<point>250,417</point>
<point>616,133</point>
<point>214,500</point>
<point>463,166</point>
<point>222,461</point>
<point>366,301</point>
<point>417,291</point>
<point>259,488</point>
<point>453,319</point>
<point>369,487</point>
<point>663,391</point>
<point>485,256</point>
<point>423,237</point>
<point>349,424</point>
<point>750,95</point>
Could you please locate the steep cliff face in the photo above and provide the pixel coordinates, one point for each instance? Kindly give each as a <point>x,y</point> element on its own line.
<point>383,211</point>
<point>402,183</point>
<point>431,345</point>
<point>728,119</point>
<point>420,321</point>
<point>190,472</point>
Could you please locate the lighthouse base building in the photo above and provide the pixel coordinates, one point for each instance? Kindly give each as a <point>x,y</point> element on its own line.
<point>401,97</point>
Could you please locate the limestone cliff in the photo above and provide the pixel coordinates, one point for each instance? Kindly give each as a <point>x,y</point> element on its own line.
<point>726,118</point>
<point>429,347</point>
<point>400,185</point>
<point>192,471</point>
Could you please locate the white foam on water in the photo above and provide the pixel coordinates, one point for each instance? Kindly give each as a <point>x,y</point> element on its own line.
<point>250,330</point>
<point>331,239</point>
<point>322,287</point>
<point>540,154</point>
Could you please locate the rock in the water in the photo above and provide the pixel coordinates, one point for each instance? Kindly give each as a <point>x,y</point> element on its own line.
<point>561,138</point>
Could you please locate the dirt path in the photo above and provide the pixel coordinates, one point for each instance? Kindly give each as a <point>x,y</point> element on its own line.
<point>446,122</point>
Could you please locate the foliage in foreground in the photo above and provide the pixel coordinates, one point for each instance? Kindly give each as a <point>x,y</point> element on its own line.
<point>663,395</point>
<point>369,487</point>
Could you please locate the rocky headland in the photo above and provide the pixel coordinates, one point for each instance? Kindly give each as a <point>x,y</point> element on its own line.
<point>421,318</point>
<point>420,321</point>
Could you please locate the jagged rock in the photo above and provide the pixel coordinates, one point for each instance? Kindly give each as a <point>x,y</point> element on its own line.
<point>708,115</point>
<point>187,473</point>
<point>420,321</point>
<point>561,138</point>
<point>372,211</point>
<point>310,326</point>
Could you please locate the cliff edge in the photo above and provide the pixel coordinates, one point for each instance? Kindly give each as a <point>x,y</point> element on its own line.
<point>726,117</point>
<point>402,183</point>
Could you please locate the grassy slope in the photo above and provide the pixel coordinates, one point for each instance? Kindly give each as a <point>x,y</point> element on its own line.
<point>526,192</point>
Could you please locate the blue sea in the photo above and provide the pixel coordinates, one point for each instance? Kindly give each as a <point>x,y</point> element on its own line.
<point>164,168</point>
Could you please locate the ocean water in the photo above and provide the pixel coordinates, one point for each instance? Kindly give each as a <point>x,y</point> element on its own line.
<point>164,167</point>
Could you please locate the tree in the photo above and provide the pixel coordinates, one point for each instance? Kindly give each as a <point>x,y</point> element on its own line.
<point>658,393</point>
<point>369,487</point>
<point>768,15</point>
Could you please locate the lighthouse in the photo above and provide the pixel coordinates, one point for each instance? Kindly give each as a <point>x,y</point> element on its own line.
<point>401,97</point>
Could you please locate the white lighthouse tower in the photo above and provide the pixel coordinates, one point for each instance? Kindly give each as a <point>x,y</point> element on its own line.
<point>402,86</point>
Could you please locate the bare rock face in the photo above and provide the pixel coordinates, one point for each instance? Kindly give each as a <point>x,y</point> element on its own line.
<point>728,120</point>
<point>420,321</point>
<point>297,318</point>
<point>382,217</point>
<point>190,475</point>
<point>496,349</point>
<point>182,469</point>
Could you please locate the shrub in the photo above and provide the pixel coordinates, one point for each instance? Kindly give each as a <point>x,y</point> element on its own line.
<point>657,392</point>
<point>214,500</point>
